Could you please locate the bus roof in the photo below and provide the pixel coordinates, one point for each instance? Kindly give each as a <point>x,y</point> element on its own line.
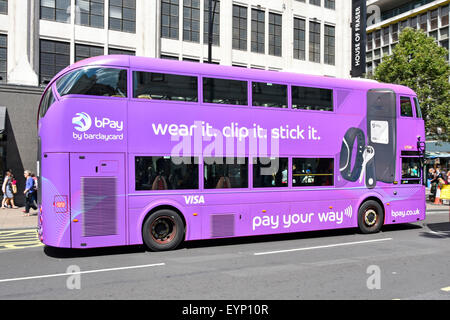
<point>213,70</point>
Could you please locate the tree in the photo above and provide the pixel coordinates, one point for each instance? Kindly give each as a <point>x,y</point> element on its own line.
<point>419,63</point>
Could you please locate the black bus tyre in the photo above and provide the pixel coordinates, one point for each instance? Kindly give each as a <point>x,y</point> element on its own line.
<point>370,217</point>
<point>163,230</point>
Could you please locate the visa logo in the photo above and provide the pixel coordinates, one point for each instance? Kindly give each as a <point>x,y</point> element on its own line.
<point>194,199</point>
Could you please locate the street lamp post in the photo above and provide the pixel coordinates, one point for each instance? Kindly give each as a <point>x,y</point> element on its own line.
<point>210,28</point>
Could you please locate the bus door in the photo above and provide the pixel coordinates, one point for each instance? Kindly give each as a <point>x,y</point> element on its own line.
<point>98,199</point>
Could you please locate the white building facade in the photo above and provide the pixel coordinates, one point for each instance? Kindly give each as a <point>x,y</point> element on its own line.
<point>40,37</point>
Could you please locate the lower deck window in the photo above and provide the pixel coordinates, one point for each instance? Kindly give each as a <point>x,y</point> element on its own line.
<point>270,172</point>
<point>312,172</point>
<point>166,173</point>
<point>222,173</point>
<point>411,171</point>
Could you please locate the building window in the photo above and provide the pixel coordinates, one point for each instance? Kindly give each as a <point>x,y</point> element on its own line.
<point>216,22</point>
<point>330,45</point>
<point>444,16</point>
<point>3,57</point>
<point>239,27</point>
<point>84,52</point>
<point>168,57</point>
<point>54,56</point>
<point>403,25</point>
<point>423,21</point>
<point>386,36</point>
<point>270,172</point>
<point>413,22</point>
<point>315,2</point>
<point>377,38</point>
<point>166,173</point>
<point>55,10</point>
<point>257,42</point>
<point>314,41</point>
<point>299,39</point>
<point>191,20</point>
<point>330,4</point>
<point>91,13</point>
<point>312,172</point>
<point>121,51</point>
<point>395,32</point>
<point>369,41</point>
<point>434,19</point>
<point>275,34</point>
<point>169,19</point>
<point>4,6</point>
<point>122,15</point>
<point>223,173</point>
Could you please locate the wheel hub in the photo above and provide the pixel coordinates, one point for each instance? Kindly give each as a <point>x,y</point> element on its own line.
<point>370,217</point>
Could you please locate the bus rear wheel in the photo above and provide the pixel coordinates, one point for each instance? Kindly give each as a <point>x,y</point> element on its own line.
<point>370,217</point>
<point>163,230</point>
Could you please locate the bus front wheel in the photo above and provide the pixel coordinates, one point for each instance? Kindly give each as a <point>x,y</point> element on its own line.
<point>163,230</point>
<point>370,217</point>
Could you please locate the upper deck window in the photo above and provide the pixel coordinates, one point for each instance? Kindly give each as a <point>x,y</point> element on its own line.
<point>312,98</point>
<point>406,107</point>
<point>47,101</point>
<point>224,91</point>
<point>162,86</point>
<point>418,111</point>
<point>105,82</point>
<point>269,95</point>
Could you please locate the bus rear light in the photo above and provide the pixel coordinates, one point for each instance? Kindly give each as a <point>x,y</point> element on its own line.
<point>60,204</point>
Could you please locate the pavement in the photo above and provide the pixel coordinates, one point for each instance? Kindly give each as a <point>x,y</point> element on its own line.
<point>15,219</point>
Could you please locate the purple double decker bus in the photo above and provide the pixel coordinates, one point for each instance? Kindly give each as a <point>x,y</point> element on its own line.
<point>136,150</point>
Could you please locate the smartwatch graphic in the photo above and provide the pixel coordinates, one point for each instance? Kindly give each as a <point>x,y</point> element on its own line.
<point>364,165</point>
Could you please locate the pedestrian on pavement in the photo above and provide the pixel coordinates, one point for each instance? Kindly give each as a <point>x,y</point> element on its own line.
<point>7,189</point>
<point>29,193</point>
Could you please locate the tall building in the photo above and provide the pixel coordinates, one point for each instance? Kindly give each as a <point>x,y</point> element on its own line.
<point>387,18</point>
<point>38,38</point>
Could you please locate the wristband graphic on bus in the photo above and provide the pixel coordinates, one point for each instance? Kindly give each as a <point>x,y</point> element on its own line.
<point>364,158</point>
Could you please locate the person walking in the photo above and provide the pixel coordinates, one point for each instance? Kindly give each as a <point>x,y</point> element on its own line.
<point>29,193</point>
<point>7,189</point>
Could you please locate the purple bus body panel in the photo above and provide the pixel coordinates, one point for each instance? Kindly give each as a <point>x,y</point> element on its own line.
<point>115,131</point>
<point>55,224</point>
<point>97,182</point>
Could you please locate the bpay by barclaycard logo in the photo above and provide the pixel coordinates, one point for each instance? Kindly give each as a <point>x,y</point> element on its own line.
<point>82,121</point>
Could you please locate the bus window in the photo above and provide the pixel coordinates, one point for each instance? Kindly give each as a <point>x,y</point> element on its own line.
<point>405,107</point>
<point>306,98</point>
<point>222,173</point>
<point>166,173</point>
<point>105,82</point>
<point>47,101</point>
<point>411,171</point>
<point>312,172</point>
<point>225,91</point>
<point>418,111</point>
<point>269,95</point>
<point>162,86</point>
<point>270,172</point>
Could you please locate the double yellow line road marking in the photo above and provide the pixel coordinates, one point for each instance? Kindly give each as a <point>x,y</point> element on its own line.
<point>19,239</point>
